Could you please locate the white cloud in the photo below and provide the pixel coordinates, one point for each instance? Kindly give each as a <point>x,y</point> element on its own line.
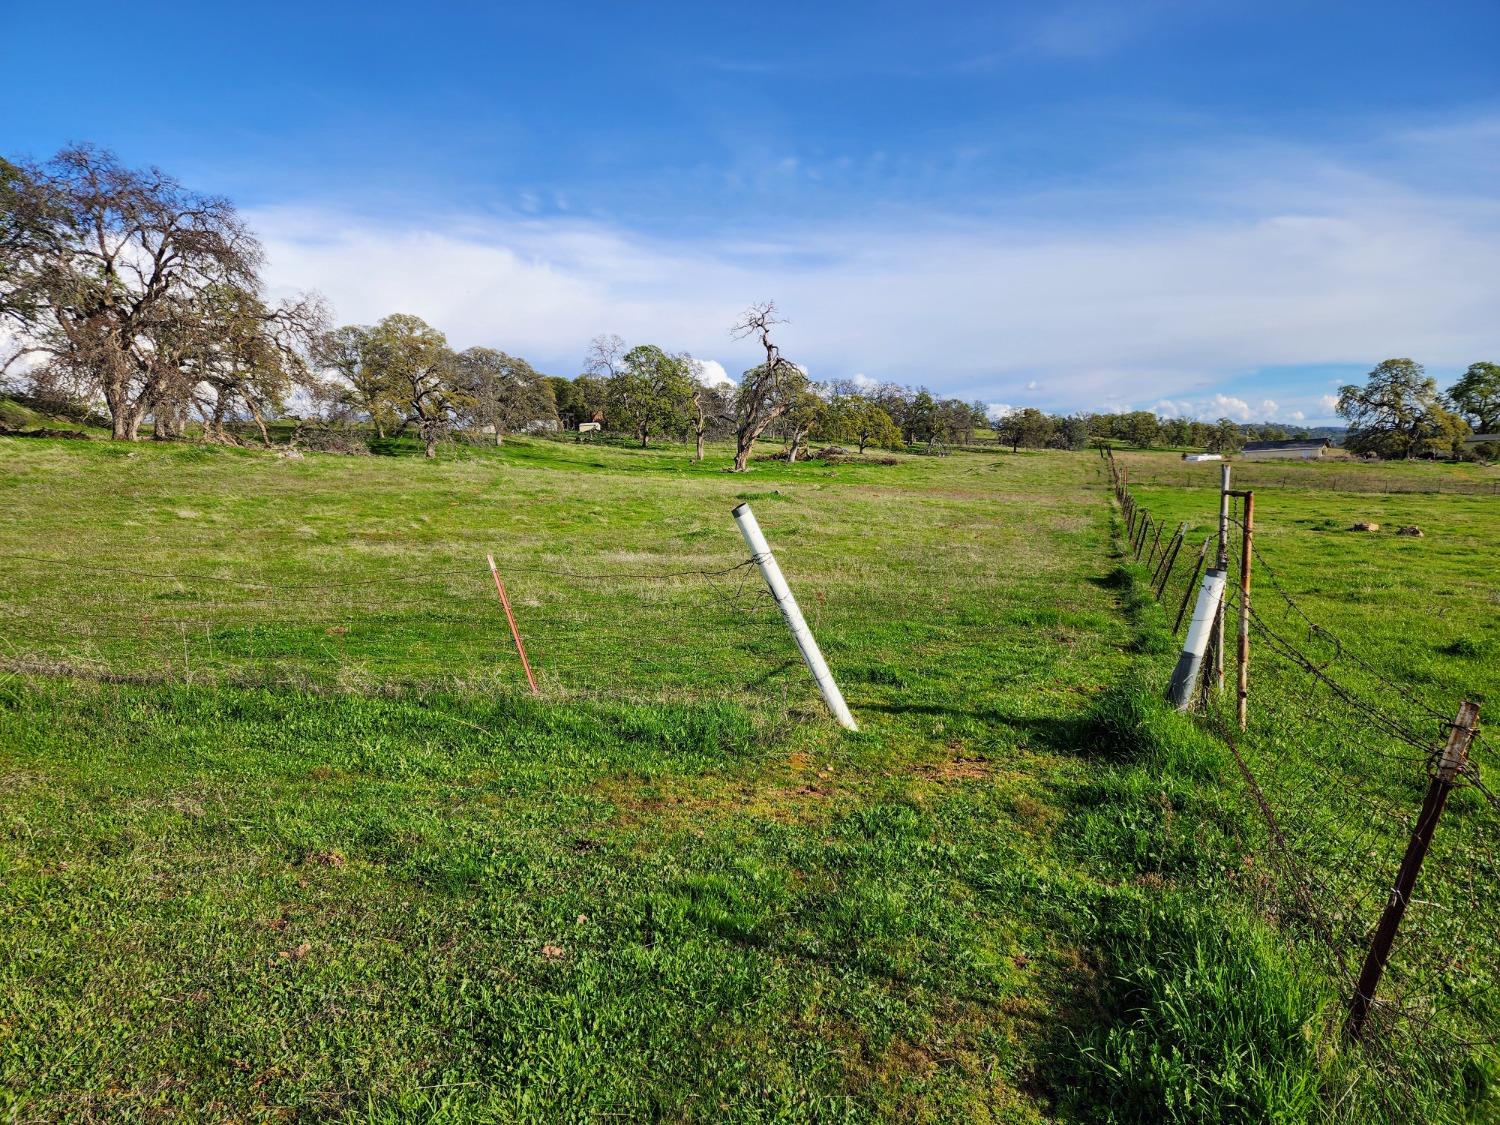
<point>1329,403</point>
<point>999,410</point>
<point>1268,407</point>
<point>1297,416</point>
<point>1227,406</point>
<point>713,372</point>
<point>1300,262</point>
<point>1031,385</point>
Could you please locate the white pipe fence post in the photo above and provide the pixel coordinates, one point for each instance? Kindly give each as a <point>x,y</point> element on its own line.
<point>760,550</point>
<point>1185,675</point>
<point>1218,645</point>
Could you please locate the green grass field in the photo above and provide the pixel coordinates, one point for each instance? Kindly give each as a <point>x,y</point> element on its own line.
<point>282,836</point>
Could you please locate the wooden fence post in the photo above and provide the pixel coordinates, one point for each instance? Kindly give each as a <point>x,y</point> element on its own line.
<point>1155,543</point>
<point>1455,754</point>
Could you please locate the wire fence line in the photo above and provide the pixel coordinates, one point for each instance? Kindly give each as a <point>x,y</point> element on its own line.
<point>622,633</point>
<point>1313,476</point>
<point>1335,755</point>
<point>623,624</point>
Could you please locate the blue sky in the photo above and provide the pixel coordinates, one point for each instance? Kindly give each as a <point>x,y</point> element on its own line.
<point>1205,208</point>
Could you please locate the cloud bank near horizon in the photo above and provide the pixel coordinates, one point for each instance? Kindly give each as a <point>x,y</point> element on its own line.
<point>1254,262</point>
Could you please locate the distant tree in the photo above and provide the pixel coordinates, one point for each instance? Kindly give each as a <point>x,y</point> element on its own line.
<point>979,416</point>
<point>1476,395</point>
<point>895,400</point>
<point>857,419</point>
<point>565,395</point>
<point>503,392</point>
<point>1101,425</point>
<point>1176,431</point>
<point>1398,413</point>
<point>953,421</point>
<point>1446,434</point>
<point>650,391</point>
<point>1073,432</point>
<point>593,394</point>
<point>767,390</point>
<point>359,386</point>
<point>604,356</point>
<point>1225,437</point>
<point>257,356</point>
<point>1028,427</point>
<point>1139,427</point>
<point>411,360</point>
<point>709,405</point>
<point>803,415</point>
<point>920,421</point>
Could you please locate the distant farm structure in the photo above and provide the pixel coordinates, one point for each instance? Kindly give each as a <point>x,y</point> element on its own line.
<point>1294,449</point>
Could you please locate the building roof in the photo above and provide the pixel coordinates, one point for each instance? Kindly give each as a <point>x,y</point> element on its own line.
<point>1292,443</point>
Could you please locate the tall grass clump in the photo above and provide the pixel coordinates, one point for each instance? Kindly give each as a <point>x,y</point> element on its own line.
<point>1202,1016</point>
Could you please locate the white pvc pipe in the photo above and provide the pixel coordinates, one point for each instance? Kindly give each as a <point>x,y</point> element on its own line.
<point>760,550</point>
<point>1185,675</point>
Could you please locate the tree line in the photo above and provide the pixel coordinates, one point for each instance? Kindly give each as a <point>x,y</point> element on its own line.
<point>122,288</point>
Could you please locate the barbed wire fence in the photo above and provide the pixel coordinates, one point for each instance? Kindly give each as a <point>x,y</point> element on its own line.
<point>1346,770</point>
<point>616,632</point>
<point>687,618</point>
<point>1322,476</point>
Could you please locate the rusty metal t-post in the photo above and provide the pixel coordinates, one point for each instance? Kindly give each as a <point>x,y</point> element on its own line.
<point>1454,755</point>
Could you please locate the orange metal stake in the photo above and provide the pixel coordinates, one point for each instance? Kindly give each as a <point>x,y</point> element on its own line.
<point>514,632</point>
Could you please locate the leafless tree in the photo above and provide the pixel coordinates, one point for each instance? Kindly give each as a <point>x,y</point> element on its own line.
<point>605,354</point>
<point>766,391</point>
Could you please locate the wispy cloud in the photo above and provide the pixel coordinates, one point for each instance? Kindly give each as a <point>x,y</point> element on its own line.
<point>1065,312</point>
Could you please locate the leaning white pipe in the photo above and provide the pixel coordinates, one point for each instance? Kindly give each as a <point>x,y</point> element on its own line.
<point>1185,675</point>
<point>761,551</point>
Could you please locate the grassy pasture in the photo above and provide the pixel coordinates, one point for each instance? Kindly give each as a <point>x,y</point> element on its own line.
<point>1416,628</point>
<point>288,852</point>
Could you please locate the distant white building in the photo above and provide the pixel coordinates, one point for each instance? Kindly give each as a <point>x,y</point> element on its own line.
<point>1296,449</point>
